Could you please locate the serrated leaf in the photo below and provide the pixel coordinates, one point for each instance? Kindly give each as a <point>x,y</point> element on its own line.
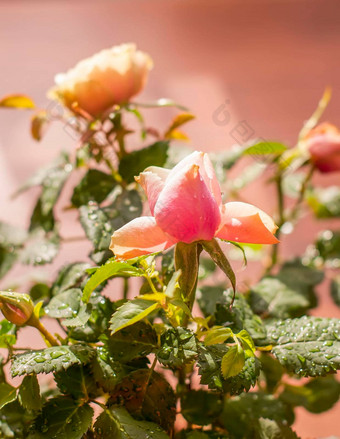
<point>7,394</point>
<point>107,371</point>
<point>241,413</point>
<point>247,342</point>
<point>265,148</point>
<point>325,202</point>
<point>148,394</point>
<point>232,362</point>
<point>178,347</point>
<point>68,305</point>
<point>134,341</point>
<point>94,186</point>
<point>200,407</point>
<point>317,396</point>
<point>17,101</point>
<point>29,393</point>
<point>77,381</point>
<point>240,316</point>
<point>69,276</point>
<point>131,312</point>
<point>51,359</point>
<point>335,290</point>
<point>115,422</point>
<point>41,249</point>
<point>110,269</point>
<point>269,429</point>
<point>134,163</point>
<point>307,346</point>
<point>62,418</point>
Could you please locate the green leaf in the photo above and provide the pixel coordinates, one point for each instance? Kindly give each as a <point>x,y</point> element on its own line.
<point>68,305</point>
<point>247,342</point>
<point>41,221</point>
<point>325,202</point>
<point>148,394</point>
<point>15,421</point>
<point>115,422</point>
<point>241,413</point>
<point>269,429</point>
<point>212,247</point>
<point>134,163</point>
<point>94,186</point>
<point>317,396</point>
<point>246,379</point>
<point>272,371</point>
<point>11,239</point>
<point>131,312</point>
<point>7,394</point>
<point>240,316</point>
<point>107,371</point>
<point>29,393</point>
<point>17,101</point>
<point>51,359</point>
<point>62,418</point>
<point>133,341</point>
<point>41,249</point>
<point>217,334</point>
<point>307,346</point>
<point>208,296</point>
<point>335,290</point>
<point>327,247</point>
<point>77,381</point>
<point>110,269</point>
<point>265,148</point>
<point>232,362</point>
<point>200,407</point>
<point>7,259</point>
<point>69,276</point>
<point>178,347</point>
<point>7,334</point>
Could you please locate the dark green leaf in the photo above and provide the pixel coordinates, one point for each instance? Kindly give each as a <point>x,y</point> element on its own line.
<point>95,186</point>
<point>62,418</point>
<point>107,371</point>
<point>51,359</point>
<point>269,429</point>
<point>178,347</point>
<point>29,393</point>
<point>241,413</point>
<point>115,422</point>
<point>146,393</point>
<point>77,381</point>
<point>41,249</point>
<point>335,290</point>
<point>209,296</point>
<point>272,371</point>
<point>39,291</point>
<point>131,312</point>
<point>317,396</point>
<point>307,346</point>
<point>7,394</point>
<point>41,221</point>
<point>200,407</point>
<point>134,163</point>
<point>69,276</point>
<point>14,421</point>
<point>68,305</point>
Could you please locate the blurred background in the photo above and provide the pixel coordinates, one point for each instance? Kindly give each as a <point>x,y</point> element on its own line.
<point>265,62</point>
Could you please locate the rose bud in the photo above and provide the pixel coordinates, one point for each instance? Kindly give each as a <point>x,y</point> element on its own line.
<point>323,147</point>
<point>16,307</point>
<point>112,76</point>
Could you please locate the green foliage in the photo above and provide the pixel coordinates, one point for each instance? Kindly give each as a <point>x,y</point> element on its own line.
<point>15,421</point>
<point>95,186</point>
<point>328,245</point>
<point>77,381</point>
<point>11,240</point>
<point>29,393</point>
<point>70,276</point>
<point>325,202</point>
<point>134,163</point>
<point>265,148</point>
<point>7,334</point>
<point>178,347</point>
<point>115,422</point>
<point>51,359</point>
<point>62,418</point>
<point>131,312</point>
<point>41,249</point>
<point>232,362</point>
<point>335,290</point>
<point>200,407</point>
<point>307,346</point>
<point>7,394</point>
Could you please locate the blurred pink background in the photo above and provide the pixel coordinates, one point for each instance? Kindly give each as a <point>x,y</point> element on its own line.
<point>266,62</point>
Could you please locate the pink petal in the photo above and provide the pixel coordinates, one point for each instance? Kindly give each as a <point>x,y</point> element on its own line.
<point>207,172</point>
<point>186,209</point>
<point>152,181</point>
<point>140,236</point>
<point>243,222</point>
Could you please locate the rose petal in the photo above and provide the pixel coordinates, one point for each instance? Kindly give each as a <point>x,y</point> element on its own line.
<point>186,209</point>
<point>140,236</point>
<point>152,181</point>
<point>207,172</point>
<point>243,222</point>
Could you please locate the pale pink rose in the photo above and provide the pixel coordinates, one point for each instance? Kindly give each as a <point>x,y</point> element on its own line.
<point>323,145</point>
<point>112,76</point>
<point>186,206</point>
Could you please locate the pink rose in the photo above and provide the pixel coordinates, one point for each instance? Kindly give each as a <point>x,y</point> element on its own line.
<point>186,206</point>
<point>323,145</point>
<point>112,76</point>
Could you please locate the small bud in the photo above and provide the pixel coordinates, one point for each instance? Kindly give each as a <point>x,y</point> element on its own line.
<point>16,307</point>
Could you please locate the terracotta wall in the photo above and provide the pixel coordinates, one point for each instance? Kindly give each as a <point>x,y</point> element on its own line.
<point>268,62</point>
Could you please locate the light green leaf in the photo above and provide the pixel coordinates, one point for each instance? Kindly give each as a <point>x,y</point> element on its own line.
<point>232,362</point>
<point>265,148</point>
<point>217,334</point>
<point>131,312</point>
<point>7,394</point>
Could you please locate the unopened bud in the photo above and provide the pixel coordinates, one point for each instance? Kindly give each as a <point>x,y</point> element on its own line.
<point>16,307</point>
